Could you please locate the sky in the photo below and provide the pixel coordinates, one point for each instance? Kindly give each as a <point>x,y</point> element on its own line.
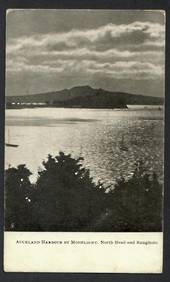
<point>117,50</point>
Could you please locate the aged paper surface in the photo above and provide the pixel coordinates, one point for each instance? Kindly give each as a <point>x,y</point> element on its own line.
<point>84,127</point>
<point>83,252</point>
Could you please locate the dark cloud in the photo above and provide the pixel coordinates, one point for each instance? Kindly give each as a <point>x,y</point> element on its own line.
<point>27,22</point>
<point>114,51</point>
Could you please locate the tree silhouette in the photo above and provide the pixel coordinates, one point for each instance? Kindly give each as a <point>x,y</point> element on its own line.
<point>65,198</point>
<point>66,195</point>
<point>135,204</point>
<point>17,198</point>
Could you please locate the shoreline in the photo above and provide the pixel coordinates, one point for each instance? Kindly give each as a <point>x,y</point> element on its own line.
<point>128,107</point>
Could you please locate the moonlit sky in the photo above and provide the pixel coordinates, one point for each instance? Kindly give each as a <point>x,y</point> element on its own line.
<point>48,50</point>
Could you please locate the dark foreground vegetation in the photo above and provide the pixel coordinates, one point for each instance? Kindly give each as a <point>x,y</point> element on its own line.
<point>65,198</point>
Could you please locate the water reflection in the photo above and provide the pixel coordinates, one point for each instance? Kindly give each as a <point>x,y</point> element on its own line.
<point>93,134</point>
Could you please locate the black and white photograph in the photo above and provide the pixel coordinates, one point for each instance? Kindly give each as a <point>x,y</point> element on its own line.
<point>84,120</point>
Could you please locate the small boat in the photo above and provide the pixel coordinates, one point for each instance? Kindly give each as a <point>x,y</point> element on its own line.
<point>122,146</point>
<point>9,144</point>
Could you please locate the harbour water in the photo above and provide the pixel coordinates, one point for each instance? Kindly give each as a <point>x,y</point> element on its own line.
<point>95,134</point>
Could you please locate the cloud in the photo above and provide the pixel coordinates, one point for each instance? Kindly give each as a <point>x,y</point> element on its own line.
<point>127,70</point>
<point>134,51</point>
<point>103,38</point>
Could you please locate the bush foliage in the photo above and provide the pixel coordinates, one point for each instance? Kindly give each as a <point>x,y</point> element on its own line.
<point>65,198</point>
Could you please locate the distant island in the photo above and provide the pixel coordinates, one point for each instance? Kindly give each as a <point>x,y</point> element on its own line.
<point>81,97</point>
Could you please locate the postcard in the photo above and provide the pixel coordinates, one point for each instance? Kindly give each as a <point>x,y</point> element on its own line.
<point>84,140</point>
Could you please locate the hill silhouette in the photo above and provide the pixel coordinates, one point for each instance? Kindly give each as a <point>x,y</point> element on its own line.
<point>86,97</point>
